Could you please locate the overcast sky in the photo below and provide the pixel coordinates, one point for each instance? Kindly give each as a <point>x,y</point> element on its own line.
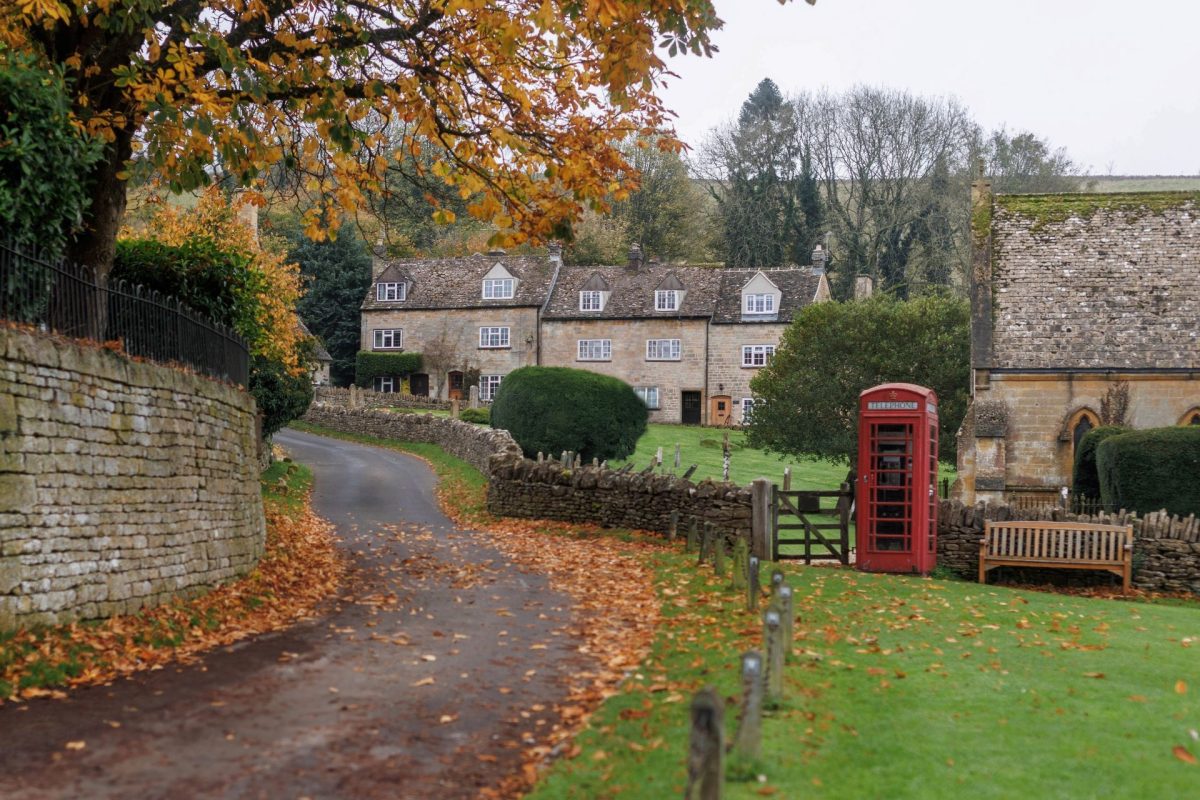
<point>1115,82</point>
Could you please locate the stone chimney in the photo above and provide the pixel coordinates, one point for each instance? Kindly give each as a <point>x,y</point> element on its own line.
<point>554,251</point>
<point>635,256</point>
<point>864,287</point>
<point>819,259</point>
<point>497,252</point>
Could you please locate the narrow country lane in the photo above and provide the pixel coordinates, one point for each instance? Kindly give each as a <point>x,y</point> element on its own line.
<point>412,684</point>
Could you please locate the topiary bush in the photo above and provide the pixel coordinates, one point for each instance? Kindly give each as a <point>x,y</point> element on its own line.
<point>1151,469</point>
<point>1085,480</point>
<point>369,366</point>
<point>551,409</point>
<point>480,416</point>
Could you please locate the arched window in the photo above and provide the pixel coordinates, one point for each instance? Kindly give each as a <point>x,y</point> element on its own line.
<point>1191,417</point>
<point>1081,428</point>
<point>1078,424</point>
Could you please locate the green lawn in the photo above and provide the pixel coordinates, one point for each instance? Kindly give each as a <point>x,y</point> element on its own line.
<point>906,687</point>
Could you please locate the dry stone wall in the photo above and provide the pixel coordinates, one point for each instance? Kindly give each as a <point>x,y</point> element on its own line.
<point>472,443</point>
<point>1166,550</point>
<point>122,484</point>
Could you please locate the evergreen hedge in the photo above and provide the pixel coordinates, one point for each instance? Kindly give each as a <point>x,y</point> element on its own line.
<point>1085,479</point>
<point>368,366</point>
<point>1151,469</point>
<point>552,409</point>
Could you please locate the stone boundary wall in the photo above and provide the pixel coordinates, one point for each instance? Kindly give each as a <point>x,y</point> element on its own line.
<point>474,444</point>
<point>122,484</point>
<point>1166,549</point>
<point>354,397</point>
<point>612,499</point>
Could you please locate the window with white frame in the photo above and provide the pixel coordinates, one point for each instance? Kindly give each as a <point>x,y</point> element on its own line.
<point>757,355</point>
<point>595,350</point>
<point>747,409</point>
<point>662,349</point>
<point>591,301</point>
<point>488,384</point>
<point>493,337</point>
<point>498,288</point>
<point>387,338</point>
<point>385,384</point>
<point>648,395</point>
<point>666,300</point>
<point>390,291</point>
<point>758,304</point>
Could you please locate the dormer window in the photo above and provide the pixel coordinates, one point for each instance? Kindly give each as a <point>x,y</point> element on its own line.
<point>591,301</point>
<point>498,288</point>
<point>758,304</point>
<point>390,291</point>
<point>666,300</point>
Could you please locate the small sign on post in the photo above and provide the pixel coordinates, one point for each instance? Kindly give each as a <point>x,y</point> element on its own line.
<point>706,753</point>
<point>773,635</point>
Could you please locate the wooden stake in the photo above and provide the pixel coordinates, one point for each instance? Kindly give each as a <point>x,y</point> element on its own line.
<point>741,565</point>
<point>718,544</point>
<point>773,635</point>
<point>787,610</point>
<point>752,584</point>
<point>747,742</point>
<point>706,753</point>
<point>693,538</point>
<point>673,529</point>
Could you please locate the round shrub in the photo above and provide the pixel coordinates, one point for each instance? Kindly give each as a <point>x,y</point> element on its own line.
<point>480,416</point>
<point>1151,469</point>
<point>1085,480</point>
<point>552,409</point>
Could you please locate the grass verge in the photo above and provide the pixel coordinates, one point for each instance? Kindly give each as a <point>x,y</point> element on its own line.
<point>298,569</point>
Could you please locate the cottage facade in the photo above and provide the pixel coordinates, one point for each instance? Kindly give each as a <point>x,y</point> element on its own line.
<point>1085,311</point>
<point>688,339</point>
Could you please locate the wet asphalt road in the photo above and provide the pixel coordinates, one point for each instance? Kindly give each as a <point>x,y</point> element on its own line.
<point>411,684</point>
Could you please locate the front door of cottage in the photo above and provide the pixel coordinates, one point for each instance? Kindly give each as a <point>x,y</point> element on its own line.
<point>418,385</point>
<point>720,409</point>
<point>690,408</point>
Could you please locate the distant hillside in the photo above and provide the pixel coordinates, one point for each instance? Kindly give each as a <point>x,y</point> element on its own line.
<point>1141,183</point>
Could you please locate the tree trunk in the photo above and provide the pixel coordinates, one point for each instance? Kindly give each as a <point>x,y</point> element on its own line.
<point>74,311</point>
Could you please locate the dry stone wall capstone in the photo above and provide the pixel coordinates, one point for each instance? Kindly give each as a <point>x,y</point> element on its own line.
<point>122,484</point>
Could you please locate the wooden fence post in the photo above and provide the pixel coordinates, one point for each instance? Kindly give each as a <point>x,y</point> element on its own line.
<point>705,543</point>
<point>787,609</point>
<point>741,563</point>
<point>693,540</point>
<point>706,753</point>
<point>678,456</point>
<point>752,584</point>
<point>787,479</point>
<point>760,519</point>
<point>773,635</point>
<point>747,742</point>
<point>718,553</point>
<point>673,530</point>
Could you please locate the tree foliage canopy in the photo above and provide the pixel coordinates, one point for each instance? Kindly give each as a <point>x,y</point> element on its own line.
<point>516,105</point>
<point>833,351</point>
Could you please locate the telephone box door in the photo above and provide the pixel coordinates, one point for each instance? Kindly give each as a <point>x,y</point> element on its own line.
<point>896,521</point>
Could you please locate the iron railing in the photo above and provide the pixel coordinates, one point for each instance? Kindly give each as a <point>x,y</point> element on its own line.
<point>59,297</point>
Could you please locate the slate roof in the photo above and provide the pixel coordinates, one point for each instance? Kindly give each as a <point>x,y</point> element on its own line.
<point>632,291</point>
<point>319,351</point>
<point>458,282</point>
<point>798,286</point>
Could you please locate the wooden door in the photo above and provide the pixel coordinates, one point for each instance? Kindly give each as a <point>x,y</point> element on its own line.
<point>456,385</point>
<point>720,410</point>
<point>418,385</point>
<point>691,408</point>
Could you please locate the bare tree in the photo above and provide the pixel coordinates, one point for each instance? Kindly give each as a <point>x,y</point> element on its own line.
<point>440,356</point>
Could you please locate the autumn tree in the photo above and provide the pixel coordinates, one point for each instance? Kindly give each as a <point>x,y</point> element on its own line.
<point>516,104</point>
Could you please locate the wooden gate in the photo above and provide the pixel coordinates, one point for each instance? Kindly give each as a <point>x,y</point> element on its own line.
<point>823,530</point>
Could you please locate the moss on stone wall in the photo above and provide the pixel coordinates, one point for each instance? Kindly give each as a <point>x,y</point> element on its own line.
<point>1048,209</point>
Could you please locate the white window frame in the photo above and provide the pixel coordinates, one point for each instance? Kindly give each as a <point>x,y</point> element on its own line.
<point>649,395</point>
<point>593,350</point>
<point>591,300</point>
<point>666,299</point>
<point>380,336</point>
<point>385,384</point>
<point>382,290</point>
<point>499,288</point>
<point>663,350</point>
<point>748,404</point>
<point>758,303</point>
<point>493,337</point>
<point>757,355</point>
<point>488,384</point>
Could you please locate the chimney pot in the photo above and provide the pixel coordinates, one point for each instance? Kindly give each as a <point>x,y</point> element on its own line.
<point>819,259</point>
<point>635,256</point>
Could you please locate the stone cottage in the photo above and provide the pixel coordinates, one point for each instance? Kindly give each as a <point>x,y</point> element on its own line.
<point>687,338</point>
<point>1085,310</point>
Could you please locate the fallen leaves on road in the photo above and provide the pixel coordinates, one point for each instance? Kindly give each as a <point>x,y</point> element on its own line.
<point>298,569</point>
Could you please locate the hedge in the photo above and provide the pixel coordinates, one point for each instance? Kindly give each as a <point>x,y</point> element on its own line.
<point>369,366</point>
<point>552,409</point>
<point>1085,480</point>
<point>1151,469</point>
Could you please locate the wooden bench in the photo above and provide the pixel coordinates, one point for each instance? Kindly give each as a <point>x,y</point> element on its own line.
<point>1057,545</point>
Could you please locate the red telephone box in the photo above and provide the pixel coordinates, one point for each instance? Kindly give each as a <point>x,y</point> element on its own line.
<point>897,479</point>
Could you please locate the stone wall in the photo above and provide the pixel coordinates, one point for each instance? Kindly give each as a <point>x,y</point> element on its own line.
<point>364,398</point>
<point>519,487</point>
<point>122,484</point>
<point>1166,550</point>
<point>474,444</point>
